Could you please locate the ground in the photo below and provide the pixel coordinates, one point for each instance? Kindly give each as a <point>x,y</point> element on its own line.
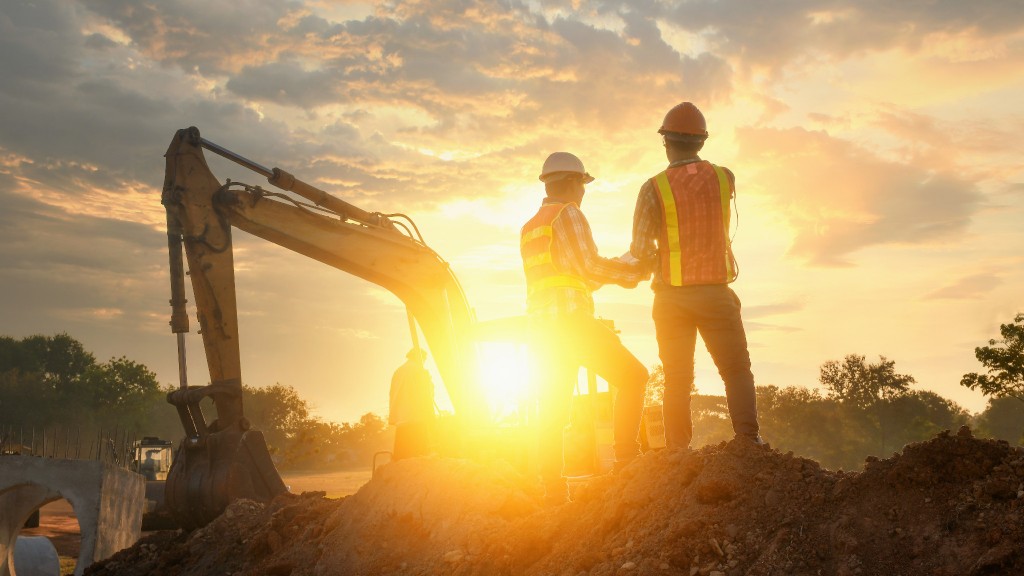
<point>950,506</point>
<point>58,522</point>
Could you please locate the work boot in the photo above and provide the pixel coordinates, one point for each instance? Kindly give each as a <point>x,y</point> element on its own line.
<point>755,439</point>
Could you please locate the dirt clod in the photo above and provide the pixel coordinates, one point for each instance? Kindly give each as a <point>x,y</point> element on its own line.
<point>948,506</point>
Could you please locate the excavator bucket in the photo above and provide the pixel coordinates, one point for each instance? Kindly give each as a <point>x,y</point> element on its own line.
<point>212,469</point>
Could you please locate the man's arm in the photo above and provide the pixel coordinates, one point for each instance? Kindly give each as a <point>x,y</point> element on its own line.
<point>646,226</point>
<point>572,232</point>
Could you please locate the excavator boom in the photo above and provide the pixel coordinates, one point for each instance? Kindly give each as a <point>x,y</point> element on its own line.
<point>224,460</point>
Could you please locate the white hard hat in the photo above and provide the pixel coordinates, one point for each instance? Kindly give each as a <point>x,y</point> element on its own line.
<point>561,164</point>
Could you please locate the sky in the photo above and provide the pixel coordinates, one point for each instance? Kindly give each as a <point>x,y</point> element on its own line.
<point>877,148</point>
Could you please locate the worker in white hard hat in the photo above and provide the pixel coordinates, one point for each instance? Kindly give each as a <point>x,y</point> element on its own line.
<point>562,269</point>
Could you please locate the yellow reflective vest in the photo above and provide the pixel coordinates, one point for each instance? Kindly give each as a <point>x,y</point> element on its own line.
<point>694,245</point>
<point>543,278</point>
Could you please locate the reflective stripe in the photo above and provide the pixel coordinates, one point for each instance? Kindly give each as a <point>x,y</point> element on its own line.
<point>558,281</point>
<point>535,233</point>
<point>726,192</point>
<point>675,258</point>
<point>543,258</point>
<point>542,276</point>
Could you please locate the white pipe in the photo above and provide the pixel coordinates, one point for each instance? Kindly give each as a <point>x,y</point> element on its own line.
<point>35,556</point>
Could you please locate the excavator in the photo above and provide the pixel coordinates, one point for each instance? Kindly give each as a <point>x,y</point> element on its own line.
<point>225,459</point>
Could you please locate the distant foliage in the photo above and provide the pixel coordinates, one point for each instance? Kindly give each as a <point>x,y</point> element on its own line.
<point>655,391</point>
<point>298,441</point>
<point>52,383</point>
<point>863,409</point>
<point>1004,360</point>
<point>841,434</point>
<point>856,382</point>
<point>1003,418</point>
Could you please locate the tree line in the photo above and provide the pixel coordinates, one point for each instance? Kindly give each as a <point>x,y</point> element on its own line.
<point>860,408</point>
<point>869,409</point>
<point>51,385</point>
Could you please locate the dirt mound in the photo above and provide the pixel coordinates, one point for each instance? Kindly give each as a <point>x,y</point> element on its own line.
<point>948,506</point>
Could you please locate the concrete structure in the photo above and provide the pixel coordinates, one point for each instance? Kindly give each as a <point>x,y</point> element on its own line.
<point>108,502</point>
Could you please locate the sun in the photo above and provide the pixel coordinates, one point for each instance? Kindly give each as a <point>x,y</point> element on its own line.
<point>505,379</point>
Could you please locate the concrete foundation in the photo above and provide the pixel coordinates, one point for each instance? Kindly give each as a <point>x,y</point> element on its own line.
<point>108,502</point>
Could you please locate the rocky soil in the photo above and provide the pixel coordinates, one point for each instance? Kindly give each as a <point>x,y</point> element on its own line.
<point>951,506</point>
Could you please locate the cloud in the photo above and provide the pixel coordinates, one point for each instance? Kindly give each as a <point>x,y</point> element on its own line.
<point>840,198</point>
<point>412,106</point>
<point>773,35</point>
<point>973,287</point>
<point>484,65</point>
<point>209,37</point>
<point>36,235</point>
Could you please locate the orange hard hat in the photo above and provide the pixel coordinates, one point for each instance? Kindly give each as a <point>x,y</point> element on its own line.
<point>683,122</point>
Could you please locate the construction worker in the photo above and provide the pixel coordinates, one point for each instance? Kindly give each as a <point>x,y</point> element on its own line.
<point>681,228</point>
<point>411,407</point>
<point>149,465</point>
<point>563,268</point>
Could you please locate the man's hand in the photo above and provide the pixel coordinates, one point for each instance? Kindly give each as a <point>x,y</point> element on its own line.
<point>627,258</point>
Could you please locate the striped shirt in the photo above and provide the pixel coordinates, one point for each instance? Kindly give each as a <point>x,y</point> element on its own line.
<point>573,249</point>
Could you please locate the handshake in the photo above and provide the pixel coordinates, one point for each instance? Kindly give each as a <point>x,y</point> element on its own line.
<point>628,258</point>
<point>647,261</point>
<point>644,266</point>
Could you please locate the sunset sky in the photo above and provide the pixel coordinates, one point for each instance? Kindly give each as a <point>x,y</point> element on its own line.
<point>877,146</point>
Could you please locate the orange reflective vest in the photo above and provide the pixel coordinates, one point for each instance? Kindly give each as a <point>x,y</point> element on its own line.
<point>543,277</point>
<point>694,246</point>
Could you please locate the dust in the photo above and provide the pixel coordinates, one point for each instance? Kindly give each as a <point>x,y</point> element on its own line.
<point>949,506</point>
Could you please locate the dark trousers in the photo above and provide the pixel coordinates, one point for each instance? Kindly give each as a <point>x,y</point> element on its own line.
<point>560,347</point>
<point>713,311</point>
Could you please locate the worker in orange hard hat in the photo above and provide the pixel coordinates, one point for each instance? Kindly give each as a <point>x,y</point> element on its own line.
<point>562,269</point>
<point>681,226</point>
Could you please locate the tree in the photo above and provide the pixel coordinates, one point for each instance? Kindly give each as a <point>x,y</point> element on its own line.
<point>1004,360</point>
<point>121,390</point>
<point>655,391</point>
<point>1003,418</point>
<point>871,391</point>
<point>861,384</point>
<point>42,376</point>
<point>277,411</point>
<point>710,418</point>
<point>52,381</point>
<point>919,415</point>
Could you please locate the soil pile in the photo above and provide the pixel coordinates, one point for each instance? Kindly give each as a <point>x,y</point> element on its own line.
<point>949,506</point>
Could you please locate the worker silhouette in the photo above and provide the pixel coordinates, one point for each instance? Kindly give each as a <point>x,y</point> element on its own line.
<point>149,465</point>
<point>681,226</point>
<point>411,408</point>
<point>562,269</point>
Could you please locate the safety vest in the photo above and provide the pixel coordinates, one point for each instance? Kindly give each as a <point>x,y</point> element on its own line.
<point>694,245</point>
<point>543,278</point>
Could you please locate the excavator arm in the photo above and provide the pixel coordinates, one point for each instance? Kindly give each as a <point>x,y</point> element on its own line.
<point>224,460</point>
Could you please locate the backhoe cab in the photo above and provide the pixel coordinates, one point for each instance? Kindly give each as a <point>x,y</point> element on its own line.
<point>224,459</point>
